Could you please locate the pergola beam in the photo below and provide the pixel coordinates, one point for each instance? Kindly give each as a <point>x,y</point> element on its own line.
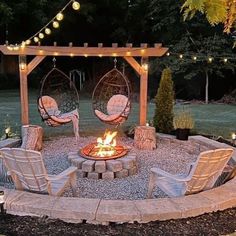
<point>156,51</point>
<point>34,63</point>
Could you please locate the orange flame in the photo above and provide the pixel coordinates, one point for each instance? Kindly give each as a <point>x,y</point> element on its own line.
<point>106,144</point>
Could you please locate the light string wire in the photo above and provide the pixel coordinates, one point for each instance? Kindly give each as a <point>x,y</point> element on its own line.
<point>24,43</point>
<point>45,26</point>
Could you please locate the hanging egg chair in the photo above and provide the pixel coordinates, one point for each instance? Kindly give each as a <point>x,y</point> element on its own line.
<point>111,98</point>
<point>58,100</point>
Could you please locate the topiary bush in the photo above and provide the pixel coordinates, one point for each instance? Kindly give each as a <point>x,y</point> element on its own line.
<point>164,100</point>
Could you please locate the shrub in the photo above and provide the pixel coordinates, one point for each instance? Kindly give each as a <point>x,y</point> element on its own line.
<point>183,120</point>
<point>163,118</point>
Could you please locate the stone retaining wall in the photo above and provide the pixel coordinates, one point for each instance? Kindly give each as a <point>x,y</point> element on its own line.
<point>100,211</point>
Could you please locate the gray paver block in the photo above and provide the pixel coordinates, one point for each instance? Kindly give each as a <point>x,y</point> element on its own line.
<point>127,162</point>
<point>78,162</point>
<point>108,175</point>
<point>122,174</point>
<point>100,166</point>
<point>81,174</point>
<point>133,171</point>
<point>93,175</point>
<point>88,166</point>
<point>114,165</point>
<point>117,211</point>
<point>72,155</point>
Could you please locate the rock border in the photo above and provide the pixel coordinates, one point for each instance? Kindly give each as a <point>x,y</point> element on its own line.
<point>100,211</point>
<point>108,170</point>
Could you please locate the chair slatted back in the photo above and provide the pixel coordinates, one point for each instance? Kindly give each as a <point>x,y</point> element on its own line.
<point>26,167</point>
<point>207,169</point>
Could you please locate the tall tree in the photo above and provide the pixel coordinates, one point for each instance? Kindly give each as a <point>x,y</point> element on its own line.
<point>217,11</point>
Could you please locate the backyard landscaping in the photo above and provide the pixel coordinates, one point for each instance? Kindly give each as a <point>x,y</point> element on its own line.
<point>212,119</point>
<point>117,117</point>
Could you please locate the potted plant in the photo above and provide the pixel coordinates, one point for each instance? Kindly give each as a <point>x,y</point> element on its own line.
<point>183,122</point>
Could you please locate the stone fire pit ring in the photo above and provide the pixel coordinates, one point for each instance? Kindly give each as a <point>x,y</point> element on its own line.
<point>104,169</point>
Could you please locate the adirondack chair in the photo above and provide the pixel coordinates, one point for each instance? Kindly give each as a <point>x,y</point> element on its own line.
<point>28,172</point>
<point>202,175</point>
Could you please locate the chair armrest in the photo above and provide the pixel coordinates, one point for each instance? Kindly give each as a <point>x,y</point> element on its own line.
<point>63,174</point>
<point>163,173</point>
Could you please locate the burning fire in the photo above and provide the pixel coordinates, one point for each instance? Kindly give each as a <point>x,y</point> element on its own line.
<point>106,145</point>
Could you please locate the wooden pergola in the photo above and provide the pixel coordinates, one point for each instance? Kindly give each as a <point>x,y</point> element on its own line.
<point>128,53</point>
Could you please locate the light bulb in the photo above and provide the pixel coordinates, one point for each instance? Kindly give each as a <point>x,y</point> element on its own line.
<point>225,60</point>
<point>75,5</point>
<point>194,58</point>
<point>55,24</point>
<point>59,16</point>
<point>181,56</point>
<point>47,31</point>
<point>28,41</point>
<point>41,35</point>
<point>36,39</point>
<point>167,54</point>
<point>23,44</point>
<point>210,59</point>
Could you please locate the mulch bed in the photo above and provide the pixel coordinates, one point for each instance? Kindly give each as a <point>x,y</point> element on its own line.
<point>218,223</point>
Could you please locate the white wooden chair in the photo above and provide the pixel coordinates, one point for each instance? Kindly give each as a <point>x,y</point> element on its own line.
<point>28,172</point>
<point>202,174</point>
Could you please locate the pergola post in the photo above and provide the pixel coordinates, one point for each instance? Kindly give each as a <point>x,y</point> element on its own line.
<point>142,70</point>
<point>143,100</point>
<point>24,90</point>
<point>25,69</point>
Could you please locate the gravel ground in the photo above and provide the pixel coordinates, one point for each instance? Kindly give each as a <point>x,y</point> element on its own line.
<point>172,158</point>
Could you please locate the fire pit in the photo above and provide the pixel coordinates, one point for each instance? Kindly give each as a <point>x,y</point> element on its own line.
<point>96,160</point>
<point>104,149</point>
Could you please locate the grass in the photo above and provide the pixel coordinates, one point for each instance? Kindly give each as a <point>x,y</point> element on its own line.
<point>212,119</point>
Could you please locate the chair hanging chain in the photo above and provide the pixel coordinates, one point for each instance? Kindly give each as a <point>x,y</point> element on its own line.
<point>54,62</point>
<point>115,61</point>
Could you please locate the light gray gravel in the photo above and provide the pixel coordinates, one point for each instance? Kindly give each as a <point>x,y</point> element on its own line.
<point>170,157</point>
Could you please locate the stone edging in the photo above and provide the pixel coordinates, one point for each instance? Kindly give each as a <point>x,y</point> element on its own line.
<point>99,211</point>
<point>107,170</point>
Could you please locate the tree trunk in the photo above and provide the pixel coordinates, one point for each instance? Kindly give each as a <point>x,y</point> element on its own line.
<point>145,137</point>
<point>206,88</point>
<point>32,137</point>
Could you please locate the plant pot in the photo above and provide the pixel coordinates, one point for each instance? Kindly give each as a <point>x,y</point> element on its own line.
<point>182,134</point>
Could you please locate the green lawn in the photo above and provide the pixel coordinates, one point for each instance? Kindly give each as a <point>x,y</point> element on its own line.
<point>210,119</point>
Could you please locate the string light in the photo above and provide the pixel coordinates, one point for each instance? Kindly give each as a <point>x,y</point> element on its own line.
<point>41,35</point>
<point>55,24</point>
<point>23,44</point>
<point>59,16</point>
<point>75,5</point>
<point>201,57</point>
<point>36,39</point>
<point>27,42</point>
<point>210,59</point>
<point>47,31</point>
